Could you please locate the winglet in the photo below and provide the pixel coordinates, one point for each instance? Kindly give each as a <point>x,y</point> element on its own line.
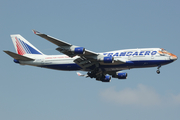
<point>36,32</point>
<point>79,74</point>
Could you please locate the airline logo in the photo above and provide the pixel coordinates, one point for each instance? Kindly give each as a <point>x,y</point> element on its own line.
<point>130,53</point>
<point>24,48</point>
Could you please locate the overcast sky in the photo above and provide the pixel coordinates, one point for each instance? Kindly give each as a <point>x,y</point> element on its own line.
<point>31,93</point>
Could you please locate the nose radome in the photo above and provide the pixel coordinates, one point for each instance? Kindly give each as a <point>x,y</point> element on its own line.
<point>173,57</point>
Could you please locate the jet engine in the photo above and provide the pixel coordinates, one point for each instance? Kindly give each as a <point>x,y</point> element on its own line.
<point>105,59</point>
<point>108,59</point>
<point>77,50</point>
<point>120,75</point>
<point>107,78</point>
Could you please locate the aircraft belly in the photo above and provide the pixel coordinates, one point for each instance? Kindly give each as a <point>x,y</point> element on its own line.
<point>135,64</point>
<point>66,67</point>
<point>60,64</point>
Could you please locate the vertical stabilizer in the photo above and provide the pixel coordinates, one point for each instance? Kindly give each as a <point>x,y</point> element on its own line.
<point>23,47</point>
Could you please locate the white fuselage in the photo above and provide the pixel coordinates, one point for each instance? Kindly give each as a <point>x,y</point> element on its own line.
<point>134,58</point>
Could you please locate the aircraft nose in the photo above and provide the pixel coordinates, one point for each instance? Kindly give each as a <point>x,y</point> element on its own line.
<point>173,57</point>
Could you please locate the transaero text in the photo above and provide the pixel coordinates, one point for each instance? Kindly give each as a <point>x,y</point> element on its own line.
<point>130,53</point>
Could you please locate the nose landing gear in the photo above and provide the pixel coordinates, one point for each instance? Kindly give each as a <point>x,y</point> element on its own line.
<point>158,71</point>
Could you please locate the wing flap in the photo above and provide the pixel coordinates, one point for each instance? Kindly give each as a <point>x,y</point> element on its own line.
<point>119,61</point>
<point>83,62</point>
<point>17,56</point>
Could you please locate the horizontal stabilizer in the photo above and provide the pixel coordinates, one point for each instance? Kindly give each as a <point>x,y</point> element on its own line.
<point>17,56</point>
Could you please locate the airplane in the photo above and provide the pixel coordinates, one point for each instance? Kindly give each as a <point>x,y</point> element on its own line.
<point>101,66</point>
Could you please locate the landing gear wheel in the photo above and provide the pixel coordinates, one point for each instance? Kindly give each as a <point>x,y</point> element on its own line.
<point>158,71</point>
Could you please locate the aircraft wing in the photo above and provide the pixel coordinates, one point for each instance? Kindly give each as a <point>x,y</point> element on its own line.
<point>64,47</point>
<point>87,58</point>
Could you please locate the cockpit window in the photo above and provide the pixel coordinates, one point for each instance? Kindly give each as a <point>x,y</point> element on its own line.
<point>164,52</point>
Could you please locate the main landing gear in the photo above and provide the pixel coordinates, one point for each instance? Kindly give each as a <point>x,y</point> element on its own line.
<point>158,71</point>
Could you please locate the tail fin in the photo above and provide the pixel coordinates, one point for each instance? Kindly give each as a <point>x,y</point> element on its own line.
<point>23,47</point>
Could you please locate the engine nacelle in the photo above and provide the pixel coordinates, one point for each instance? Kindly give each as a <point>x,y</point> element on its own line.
<point>120,75</point>
<point>105,59</point>
<point>106,79</point>
<point>77,50</point>
<point>108,59</point>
